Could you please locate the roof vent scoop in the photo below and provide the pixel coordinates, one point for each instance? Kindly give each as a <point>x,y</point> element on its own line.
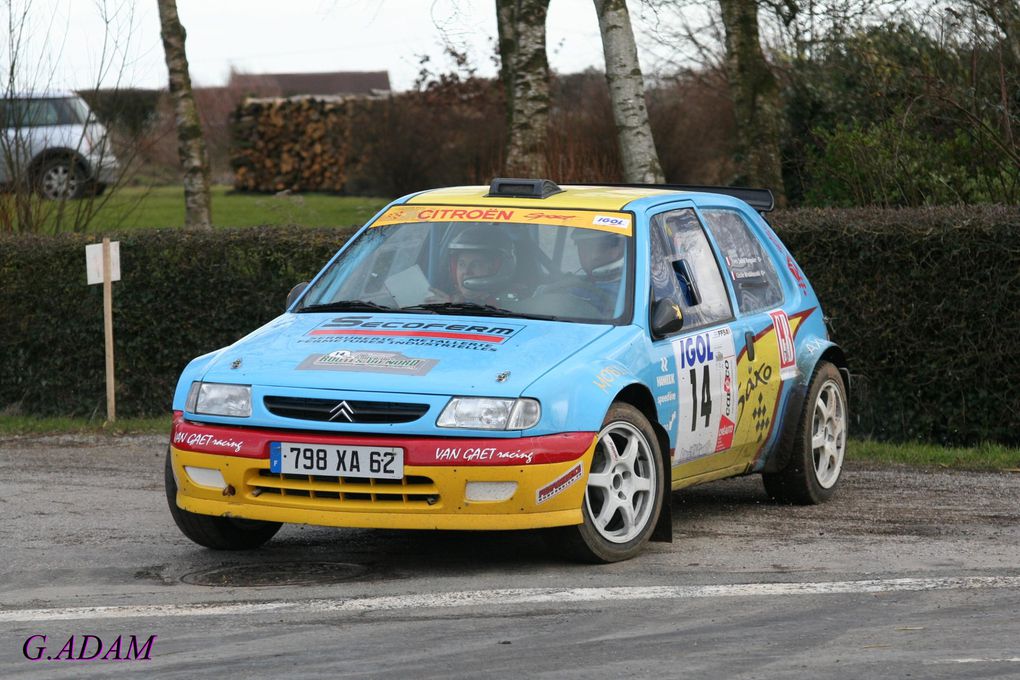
<point>505,187</point>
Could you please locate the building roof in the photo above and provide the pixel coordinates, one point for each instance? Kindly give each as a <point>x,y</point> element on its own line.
<point>325,83</point>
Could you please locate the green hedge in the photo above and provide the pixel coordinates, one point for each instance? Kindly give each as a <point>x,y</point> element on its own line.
<point>182,294</point>
<point>926,303</point>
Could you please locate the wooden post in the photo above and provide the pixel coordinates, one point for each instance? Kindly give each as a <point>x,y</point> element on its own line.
<point>111,403</point>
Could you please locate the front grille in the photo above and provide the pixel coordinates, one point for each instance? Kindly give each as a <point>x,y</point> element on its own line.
<point>344,410</point>
<point>349,493</point>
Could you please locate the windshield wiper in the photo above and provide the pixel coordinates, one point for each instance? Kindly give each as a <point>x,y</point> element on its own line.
<point>348,306</point>
<point>460,307</point>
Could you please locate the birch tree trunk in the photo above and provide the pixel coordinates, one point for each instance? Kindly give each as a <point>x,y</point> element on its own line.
<point>190,144</point>
<point>756,99</point>
<point>525,72</point>
<point>627,94</point>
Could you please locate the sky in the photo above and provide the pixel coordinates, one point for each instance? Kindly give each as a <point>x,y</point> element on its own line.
<point>67,44</point>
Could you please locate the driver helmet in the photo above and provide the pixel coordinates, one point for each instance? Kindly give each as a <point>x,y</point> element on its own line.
<point>492,242</point>
<point>606,250</point>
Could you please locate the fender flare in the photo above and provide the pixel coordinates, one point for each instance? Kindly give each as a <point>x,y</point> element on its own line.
<point>780,456</point>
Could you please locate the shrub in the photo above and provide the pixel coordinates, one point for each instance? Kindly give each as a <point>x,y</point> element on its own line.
<point>926,303</point>
<point>182,294</point>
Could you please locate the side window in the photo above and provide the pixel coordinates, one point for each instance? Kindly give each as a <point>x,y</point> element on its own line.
<point>754,278</point>
<point>677,236</point>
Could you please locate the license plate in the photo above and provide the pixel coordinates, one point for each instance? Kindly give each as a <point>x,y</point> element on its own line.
<point>334,460</point>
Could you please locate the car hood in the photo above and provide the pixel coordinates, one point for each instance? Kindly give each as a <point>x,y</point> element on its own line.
<point>402,353</point>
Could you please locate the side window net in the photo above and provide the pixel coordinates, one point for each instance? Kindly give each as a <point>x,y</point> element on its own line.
<point>679,243</point>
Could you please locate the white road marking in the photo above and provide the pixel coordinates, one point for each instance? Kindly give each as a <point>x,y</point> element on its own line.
<point>511,596</point>
<point>1012,659</point>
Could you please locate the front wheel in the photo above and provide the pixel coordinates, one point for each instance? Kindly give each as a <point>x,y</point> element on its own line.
<point>218,533</point>
<point>625,490</point>
<point>811,475</point>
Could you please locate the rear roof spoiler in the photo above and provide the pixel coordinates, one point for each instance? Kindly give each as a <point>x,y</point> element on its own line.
<point>761,200</point>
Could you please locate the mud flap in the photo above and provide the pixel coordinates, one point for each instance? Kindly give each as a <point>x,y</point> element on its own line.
<point>663,532</point>
<point>780,456</point>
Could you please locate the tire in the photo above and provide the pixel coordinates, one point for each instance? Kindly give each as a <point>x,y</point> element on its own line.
<point>812,474</point>
<point>218,533</point>
<point>61,179</point>
<point>624,492</point>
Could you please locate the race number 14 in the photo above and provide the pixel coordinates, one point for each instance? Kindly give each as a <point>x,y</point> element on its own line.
<point>706,397</point>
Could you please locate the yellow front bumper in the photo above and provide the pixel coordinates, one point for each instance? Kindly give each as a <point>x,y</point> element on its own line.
<point>429,497</point>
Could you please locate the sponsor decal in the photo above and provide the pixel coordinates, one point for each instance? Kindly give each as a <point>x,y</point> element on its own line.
<point>672,419</point>
<point>706,392</point>
<point>490,454</point>
<point>367,325</point>
<point>572,475</point>
<point>728,386</point>
<point>540,450</point>
<point>813,346</point>
<point>206,441</point>
<point>367,362</point>
<point>795,271</point>
<point>693,351</point>
<point>370,326</point>
<point>787,349</point>
<point>757,376</point>
<point>606,377</point>
<point>666,398</point>
<point>617,223</point>
<point>725,438</point>
<point>664,380</point>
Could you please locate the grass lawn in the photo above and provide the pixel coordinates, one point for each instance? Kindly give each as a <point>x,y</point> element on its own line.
<point>142,207</point>
<point>983,457</point>
<point>987,457</point>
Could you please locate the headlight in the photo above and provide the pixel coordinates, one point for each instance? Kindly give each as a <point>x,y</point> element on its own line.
<point>475,413</point>
<point>218,399</point>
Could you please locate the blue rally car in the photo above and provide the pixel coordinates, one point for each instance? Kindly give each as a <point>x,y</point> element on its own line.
<point>520,356</point>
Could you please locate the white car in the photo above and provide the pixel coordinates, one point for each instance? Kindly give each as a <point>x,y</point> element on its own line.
<point>53,143</point>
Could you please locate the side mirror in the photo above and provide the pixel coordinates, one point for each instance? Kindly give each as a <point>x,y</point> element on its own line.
<point>667,318</point>
<point>295,293</point>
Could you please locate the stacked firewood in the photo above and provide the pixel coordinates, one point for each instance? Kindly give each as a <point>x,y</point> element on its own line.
<point>292,144</point>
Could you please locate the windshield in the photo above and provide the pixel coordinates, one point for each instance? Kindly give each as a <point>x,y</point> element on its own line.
<point>573,265</point>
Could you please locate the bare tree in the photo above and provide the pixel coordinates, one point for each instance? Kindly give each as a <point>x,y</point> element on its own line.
<point>756,98</point>
<point>627,94</point>
<point>57,163</point>
<point>190,144</point>
<point>524,70</point>
<point>1005,14</point>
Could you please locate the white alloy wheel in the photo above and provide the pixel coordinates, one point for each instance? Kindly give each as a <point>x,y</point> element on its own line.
<point>828,434</point>
<point>622,483</point>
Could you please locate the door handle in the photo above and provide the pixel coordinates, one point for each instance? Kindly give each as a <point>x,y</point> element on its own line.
<point>749,342</point>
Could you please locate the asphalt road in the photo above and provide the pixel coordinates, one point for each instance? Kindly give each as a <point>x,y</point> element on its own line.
<point>905,574</point>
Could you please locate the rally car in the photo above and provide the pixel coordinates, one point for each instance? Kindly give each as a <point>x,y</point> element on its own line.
<point>520,356</point>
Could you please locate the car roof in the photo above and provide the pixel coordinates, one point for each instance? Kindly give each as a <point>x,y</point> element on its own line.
<point>598,197</point>
<point>572,196</point>
<point>45,94</point>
